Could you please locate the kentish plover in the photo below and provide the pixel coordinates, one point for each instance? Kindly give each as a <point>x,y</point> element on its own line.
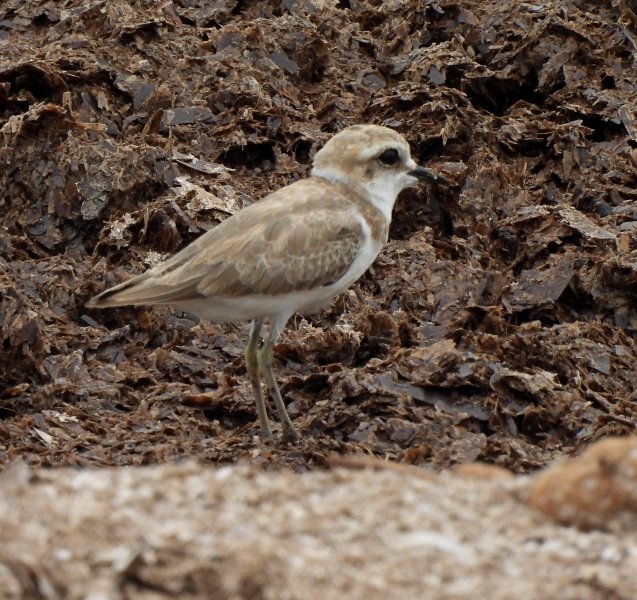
<point>292,251</point>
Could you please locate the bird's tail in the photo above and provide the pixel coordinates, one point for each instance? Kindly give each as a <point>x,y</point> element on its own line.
<point>123,294</point>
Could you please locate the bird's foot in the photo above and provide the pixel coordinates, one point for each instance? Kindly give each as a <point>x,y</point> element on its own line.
<point>266,432</point>
<point>289,434</point>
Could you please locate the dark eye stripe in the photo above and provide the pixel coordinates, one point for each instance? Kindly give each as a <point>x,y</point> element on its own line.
<point>389,157</point>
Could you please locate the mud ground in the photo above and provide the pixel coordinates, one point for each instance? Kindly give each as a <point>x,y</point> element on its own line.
<point>498,325</point>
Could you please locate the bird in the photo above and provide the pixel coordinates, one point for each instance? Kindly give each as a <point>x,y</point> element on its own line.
<point>291,252</point>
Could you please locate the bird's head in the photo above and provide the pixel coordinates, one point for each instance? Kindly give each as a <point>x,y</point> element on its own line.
<point>372,156</point>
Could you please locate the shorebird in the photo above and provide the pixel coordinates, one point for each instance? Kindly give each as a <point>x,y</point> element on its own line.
<point>293,251</point>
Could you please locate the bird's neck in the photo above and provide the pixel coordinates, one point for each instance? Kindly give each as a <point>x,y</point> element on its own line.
<point>380,193</point>
<point>373,211</point>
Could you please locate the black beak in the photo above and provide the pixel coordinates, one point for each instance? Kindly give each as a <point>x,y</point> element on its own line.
<point>427,175</point>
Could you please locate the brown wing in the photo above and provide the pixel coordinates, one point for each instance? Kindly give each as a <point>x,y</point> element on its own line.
<point>291,253</point>
<point>296,238</point>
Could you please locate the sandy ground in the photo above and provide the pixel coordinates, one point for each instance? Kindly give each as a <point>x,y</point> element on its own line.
<point>191,531</point>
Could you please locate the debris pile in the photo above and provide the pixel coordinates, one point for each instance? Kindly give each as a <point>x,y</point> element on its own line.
<point>499,323</point>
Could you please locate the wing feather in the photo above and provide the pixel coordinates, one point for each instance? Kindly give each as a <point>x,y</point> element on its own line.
<point>297,238</point>
<point>298,253</point>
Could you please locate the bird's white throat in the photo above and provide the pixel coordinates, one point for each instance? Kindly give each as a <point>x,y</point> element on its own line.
<point>381,191</point>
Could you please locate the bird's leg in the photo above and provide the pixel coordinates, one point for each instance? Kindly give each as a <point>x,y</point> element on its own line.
<point>252,365</point>
<point>265,364</point>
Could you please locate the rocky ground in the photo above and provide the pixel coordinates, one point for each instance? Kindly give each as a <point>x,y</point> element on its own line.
<point>497,326</point>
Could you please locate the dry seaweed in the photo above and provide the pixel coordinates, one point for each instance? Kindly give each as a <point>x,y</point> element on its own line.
<point>499,324</point>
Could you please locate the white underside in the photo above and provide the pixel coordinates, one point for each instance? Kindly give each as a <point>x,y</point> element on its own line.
<point>283,306</point>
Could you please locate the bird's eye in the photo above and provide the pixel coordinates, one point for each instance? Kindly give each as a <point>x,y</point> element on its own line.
<point>389,158</point>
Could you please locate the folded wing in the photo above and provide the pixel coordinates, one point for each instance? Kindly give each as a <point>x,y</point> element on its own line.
<point>265,249</point>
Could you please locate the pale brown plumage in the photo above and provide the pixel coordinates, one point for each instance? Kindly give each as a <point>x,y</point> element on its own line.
<point>292,251</point>
<point>264,249</point>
